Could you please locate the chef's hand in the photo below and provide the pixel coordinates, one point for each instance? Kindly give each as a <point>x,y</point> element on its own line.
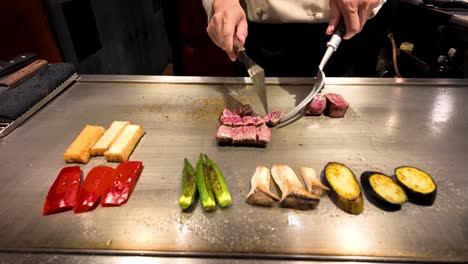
<point>228,19</point>
<point>354,12</point>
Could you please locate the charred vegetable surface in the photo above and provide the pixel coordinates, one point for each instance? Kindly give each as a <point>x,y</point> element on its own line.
<point>204,186</point>
<point>345,190</point>
<point>216,178</point>
<point>384,189</point>
<point>189,186</point>
<point>419,185</point>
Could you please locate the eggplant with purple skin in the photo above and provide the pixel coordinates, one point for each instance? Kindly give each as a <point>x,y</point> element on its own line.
<point>344,188</point>
<point>383,191</point>
<point>418,185</point>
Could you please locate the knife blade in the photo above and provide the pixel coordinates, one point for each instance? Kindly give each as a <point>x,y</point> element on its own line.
<point>17,77</point>
<point>257,74</point>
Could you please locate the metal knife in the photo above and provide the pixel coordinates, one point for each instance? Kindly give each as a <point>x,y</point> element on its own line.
<point>16,63</point>
<point>17,77</point>
<point>257,74</point>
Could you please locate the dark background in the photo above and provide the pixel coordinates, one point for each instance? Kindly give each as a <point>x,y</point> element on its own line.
<point>149,37</point>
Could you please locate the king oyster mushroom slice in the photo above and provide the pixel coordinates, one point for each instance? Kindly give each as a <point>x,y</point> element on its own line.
<point>312,182</point>
<point>260,193</point>
<point>293,193</point>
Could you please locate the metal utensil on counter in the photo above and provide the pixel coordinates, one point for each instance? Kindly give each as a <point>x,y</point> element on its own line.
<point>257,74</point>
<point>14,79</point>
<point>332,45</point>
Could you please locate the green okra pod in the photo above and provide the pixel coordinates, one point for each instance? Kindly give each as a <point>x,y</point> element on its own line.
<point>218,184</point>
<point>204,186</point>
<point>189,186</point>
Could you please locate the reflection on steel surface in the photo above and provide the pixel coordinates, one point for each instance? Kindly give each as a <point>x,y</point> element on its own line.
<point>180,118</point>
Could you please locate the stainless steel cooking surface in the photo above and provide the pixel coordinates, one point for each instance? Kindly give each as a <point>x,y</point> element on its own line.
<point>394,122</point>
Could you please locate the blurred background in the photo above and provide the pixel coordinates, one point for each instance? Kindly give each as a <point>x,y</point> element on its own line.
<point>408,38</point>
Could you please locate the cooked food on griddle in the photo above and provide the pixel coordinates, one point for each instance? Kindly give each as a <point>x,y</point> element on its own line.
<point>123,146</point>
<point>218,183</point>
<point>273,118</point>
<point>418,185</point>
<point>345,190</point>
<point>204,186</point>
<point>312,182</point>
<point>317,105</point>
<point>247,130</point>
<point>293,194</point>
<point>224,135</point>
<point>263,135</point>
<point>260,193</point>
<point>108,138</point>
<point>79,150</point>
<point>189,186</point>
<point>244,110</point>
<point>336,105</point>
<point>383,189</point>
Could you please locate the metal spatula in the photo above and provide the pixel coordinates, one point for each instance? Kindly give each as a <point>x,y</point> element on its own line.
<point>257,74</point>
<point>332,45</point>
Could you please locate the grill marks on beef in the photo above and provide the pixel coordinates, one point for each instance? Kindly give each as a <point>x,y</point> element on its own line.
<point>242,130</point>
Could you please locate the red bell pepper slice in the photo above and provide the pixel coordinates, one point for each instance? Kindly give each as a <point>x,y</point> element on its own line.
<point>63,192</point>
<point>98,180</point>
<point>123,184</point>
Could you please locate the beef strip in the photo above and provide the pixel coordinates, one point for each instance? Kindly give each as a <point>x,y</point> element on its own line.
<point>237,121</point>
<point>224,135</point>
<point>248,120</point>
<point>257,121</point>
<point>237,135</point>
<point>250,135</point>
<point>244,110</point>
<point>263,135</point>
<point>273,118</point>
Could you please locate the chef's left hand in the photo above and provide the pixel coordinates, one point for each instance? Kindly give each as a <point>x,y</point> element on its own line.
<point>354,12</point>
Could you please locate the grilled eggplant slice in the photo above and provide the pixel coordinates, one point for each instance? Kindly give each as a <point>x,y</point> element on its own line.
<point>418,185</point>
<point>344,188</point>
<point>386,193</point>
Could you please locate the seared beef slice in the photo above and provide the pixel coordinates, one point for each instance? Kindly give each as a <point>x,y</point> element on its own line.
<point>250,135</point>
<point>263,135</point>
<point>224,135</point>
<point>336,105</point>
<point>238,135</point>
<point>273,118</point>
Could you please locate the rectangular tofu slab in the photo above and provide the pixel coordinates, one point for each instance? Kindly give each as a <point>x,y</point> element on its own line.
<point>79,150</point>
<point>123,146</point>
<point>108,138</point>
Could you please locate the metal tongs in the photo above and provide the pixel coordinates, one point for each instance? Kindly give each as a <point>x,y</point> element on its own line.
<point>332,45</point>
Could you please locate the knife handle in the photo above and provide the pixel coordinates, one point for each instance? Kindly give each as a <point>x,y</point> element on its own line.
<point>238,47</point>
<point>15,78</point>
<point>7,67</point>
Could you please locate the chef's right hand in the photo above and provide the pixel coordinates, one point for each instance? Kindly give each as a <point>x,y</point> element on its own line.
<point>228,19</point>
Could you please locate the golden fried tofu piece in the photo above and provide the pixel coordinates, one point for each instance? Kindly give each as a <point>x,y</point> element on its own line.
<point>79,150</point>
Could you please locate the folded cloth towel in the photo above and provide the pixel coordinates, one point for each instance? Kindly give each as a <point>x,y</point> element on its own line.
<point>16,101</point>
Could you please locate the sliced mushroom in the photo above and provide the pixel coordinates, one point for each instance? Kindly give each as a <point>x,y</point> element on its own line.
<point>293,193</point>
<point>312,182</point>
<point>260,193</point>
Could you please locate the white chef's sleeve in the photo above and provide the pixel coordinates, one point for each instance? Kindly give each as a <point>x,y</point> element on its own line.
<point>208,5</point>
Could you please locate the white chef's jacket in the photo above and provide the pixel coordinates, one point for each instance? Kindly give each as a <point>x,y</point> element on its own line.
<point>285,11</point>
